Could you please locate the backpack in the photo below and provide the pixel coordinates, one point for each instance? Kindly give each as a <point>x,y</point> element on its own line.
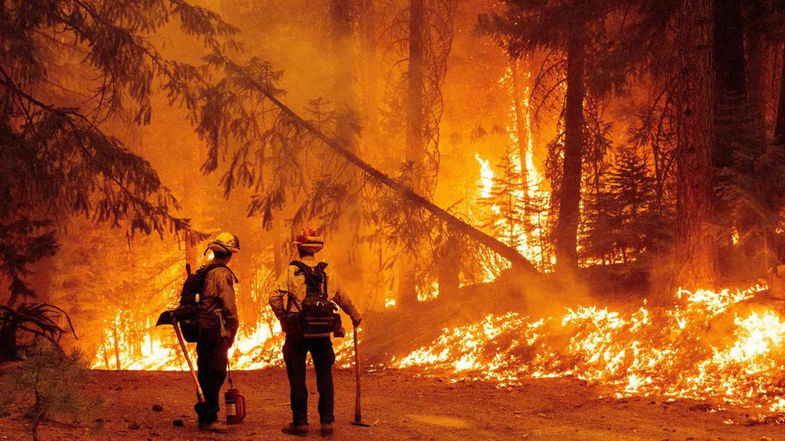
<point>196,322</point>
<point>317,313</point>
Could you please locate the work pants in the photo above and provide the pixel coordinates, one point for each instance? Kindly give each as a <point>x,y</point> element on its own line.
<point>295,350</point>
<point>211,360</point>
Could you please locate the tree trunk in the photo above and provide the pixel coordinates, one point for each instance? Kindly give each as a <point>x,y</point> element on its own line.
<point>696,251</point>
<point>349,262</point>
<point>415,115</point>
<point>116,347</point>
<point>731,82</point>
<point>570,190</point>
<point>448,264</point>
<point>759,87</point>
<point>779,126</point>
<point>521,108</point>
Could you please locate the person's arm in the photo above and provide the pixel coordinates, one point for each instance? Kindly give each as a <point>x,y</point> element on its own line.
<point>225,288</point>
<point>276,298</point>
<point>348,307</point>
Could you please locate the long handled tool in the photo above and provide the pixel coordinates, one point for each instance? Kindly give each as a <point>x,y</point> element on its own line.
<point>179,333</point>
<point>358,418</point>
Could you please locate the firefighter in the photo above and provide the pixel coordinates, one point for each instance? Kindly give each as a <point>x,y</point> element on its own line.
<point>291,307</point>
<point>218,325</point>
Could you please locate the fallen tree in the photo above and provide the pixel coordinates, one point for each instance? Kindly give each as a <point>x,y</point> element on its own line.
<point>517,261</point>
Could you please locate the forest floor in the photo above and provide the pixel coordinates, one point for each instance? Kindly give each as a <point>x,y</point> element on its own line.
<point>408,406</point>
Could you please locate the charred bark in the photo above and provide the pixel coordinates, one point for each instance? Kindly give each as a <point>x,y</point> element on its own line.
<point>779,126</point>
<point>696,250</point>
<point>731,83</point>
<point>758,85</point>
<point>415,142</point>
<point>344,84</point>
<point>570,188</point>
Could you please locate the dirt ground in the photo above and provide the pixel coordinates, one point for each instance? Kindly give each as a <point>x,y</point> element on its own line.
<point>408,406</point>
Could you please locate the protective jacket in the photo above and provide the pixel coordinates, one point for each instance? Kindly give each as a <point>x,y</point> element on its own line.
<point>218,293</point>
<point>292,288</point>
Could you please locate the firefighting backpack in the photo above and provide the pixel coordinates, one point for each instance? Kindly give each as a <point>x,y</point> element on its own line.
<point>317,313</point>
<point>195,321</point>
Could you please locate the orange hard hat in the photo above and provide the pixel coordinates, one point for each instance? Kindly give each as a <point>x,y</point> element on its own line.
<point>309,240</point>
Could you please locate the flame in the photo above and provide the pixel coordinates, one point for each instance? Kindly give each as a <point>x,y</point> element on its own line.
<point>694,349</point>
<point>486,176</point>
<point>255,347</point>
<point>533,235</point>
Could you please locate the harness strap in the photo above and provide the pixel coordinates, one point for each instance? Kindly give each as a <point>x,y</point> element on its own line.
<point>308,272</point>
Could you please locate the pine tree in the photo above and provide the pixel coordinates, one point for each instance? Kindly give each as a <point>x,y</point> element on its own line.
<point>566,28</point>
<point>56,158</point>
<point>50,378</point>
<point>624,221</point>
<point>507,203</point>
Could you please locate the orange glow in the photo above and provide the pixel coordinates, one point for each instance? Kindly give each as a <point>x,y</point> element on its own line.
<point>677,351</point>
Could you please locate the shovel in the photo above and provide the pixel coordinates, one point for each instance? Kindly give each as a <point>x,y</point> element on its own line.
<point>358,418</point>
<point>167,318</point>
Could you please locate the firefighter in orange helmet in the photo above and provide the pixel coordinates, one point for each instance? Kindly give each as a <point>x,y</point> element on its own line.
<point>305,303</point>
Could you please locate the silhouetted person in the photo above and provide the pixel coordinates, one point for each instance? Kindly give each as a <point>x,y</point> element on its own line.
<point>217,305</point>
<point>303,303</point>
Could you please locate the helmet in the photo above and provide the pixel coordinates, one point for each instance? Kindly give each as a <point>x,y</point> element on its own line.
<point>309,240</point>
<point>225,243</point>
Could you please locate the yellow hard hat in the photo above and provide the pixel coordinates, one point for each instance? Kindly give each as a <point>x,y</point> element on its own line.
<point>225,243</point>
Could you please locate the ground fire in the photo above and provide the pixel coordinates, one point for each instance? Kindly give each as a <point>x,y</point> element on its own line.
<point>409,219</point>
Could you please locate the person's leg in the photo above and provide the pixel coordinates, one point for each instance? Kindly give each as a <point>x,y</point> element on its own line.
<point>294,354</point>
<point>203,352</point>
<point>211,361</point>
<point>323,359</point>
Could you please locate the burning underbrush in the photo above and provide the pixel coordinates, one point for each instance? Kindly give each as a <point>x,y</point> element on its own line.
<point>708,345</point>
<point>723,346</point>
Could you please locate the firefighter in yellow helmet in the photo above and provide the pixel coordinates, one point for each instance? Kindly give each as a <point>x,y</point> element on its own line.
<point>218,325</point>
<point>304,304</point>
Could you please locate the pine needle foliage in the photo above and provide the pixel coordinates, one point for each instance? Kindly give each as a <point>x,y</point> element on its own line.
<point>751,188</point>
<point>66,67</point>
<point>624,222</point>
<point>49,377</point>
<point>508,203</point>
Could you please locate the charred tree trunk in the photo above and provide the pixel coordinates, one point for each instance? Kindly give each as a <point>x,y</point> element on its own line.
<point>448,265</point>
<point>696,252</point>
<point>570,189</point>
<point>759,87</point>
<point>350,265</point>
<point>731,83</point>
<point>415,140</point>
<point>779,126</point>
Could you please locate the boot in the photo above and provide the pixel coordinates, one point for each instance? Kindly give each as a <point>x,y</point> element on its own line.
<point>327,429</point>
<point>291,429</point>
<point>213,426</point>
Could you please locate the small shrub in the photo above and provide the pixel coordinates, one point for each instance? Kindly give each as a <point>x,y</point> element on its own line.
<point>51,379</point>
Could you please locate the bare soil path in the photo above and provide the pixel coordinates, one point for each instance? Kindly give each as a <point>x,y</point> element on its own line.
<point>407,406</point>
